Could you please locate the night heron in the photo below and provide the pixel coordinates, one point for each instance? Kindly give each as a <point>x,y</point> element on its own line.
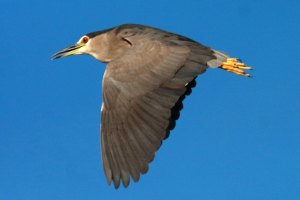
<point>148,75</point>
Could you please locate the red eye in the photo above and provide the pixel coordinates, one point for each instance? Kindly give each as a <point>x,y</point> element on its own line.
<point>85,40</point>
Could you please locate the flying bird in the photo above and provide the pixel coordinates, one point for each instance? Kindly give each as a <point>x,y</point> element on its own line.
<point>149,73</point>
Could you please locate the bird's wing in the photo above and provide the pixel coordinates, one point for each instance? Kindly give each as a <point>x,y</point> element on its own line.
<point>142,94</point>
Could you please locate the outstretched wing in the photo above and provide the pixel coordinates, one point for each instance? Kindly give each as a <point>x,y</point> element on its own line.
<point>142,94</point>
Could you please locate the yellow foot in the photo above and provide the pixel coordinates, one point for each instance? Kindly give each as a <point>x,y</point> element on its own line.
<point>236,66</point>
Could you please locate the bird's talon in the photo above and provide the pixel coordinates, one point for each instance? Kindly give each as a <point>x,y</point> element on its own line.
<point>236,66</point>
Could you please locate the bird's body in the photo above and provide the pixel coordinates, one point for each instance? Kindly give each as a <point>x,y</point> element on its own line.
<point>149,73</point>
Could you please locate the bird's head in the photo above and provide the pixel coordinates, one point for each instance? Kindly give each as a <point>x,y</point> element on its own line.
<point>102,45</point>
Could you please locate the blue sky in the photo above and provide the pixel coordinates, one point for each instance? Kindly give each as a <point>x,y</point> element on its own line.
<point>237,138</point>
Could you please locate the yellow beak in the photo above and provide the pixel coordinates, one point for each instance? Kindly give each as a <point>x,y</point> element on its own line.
<point>67,51</point>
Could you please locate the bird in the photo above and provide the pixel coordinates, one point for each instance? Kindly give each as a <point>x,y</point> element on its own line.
<point>149,73</point>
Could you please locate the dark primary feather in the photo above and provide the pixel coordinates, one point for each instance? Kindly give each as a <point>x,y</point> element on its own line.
<point>143,91</point>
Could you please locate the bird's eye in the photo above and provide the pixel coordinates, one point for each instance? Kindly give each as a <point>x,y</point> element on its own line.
<point>85,40</point>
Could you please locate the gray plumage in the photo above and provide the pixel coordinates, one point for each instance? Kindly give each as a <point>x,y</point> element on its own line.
<point>148,75</point>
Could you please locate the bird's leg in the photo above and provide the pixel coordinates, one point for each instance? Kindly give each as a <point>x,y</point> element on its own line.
<point>236,66</point>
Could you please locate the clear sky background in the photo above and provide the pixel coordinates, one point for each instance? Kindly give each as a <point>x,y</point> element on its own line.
<point>237,138</point>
